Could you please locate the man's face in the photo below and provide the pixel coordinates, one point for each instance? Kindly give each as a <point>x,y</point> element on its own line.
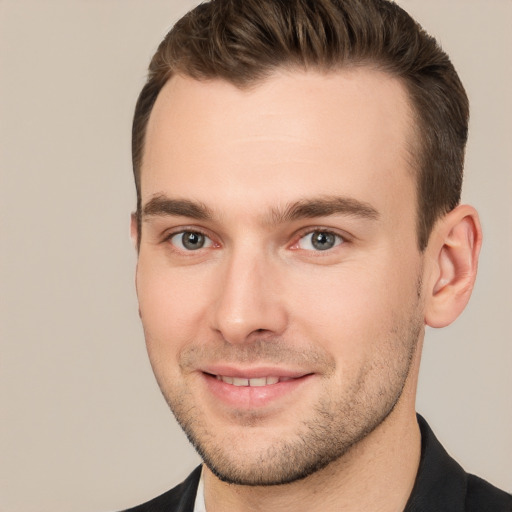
<point>278,275</point>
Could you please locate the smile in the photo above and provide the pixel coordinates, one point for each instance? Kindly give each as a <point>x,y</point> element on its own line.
<point>248,389</point>
<point>254,382</point>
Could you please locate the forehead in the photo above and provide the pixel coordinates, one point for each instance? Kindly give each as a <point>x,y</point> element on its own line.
<point>295,134</point>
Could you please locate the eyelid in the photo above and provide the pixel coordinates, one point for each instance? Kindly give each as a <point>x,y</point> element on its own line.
<point>181,228</point>
<point>169,234</point>
<point>345,237</point>
<point>206,241</point>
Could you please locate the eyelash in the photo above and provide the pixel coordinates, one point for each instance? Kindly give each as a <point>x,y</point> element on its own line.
<point>168,237</point>
<point>340,239</point>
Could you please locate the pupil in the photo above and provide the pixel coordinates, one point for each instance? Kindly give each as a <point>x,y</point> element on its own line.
<point>193,240</point>
<point>322,240</point>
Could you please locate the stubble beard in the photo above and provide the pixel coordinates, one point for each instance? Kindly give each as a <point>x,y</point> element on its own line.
<point>338,421</point>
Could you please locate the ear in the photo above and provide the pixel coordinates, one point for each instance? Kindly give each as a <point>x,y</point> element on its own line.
<point>454,247</point>
<point>134,231</point>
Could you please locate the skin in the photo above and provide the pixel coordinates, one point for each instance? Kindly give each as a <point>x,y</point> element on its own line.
<point>256,172</point>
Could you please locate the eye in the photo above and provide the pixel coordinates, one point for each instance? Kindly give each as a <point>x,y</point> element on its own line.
<point>190,240</point>
<point>319,241</point>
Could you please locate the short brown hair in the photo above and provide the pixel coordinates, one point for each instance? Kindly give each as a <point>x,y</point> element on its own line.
<point>244,41</point>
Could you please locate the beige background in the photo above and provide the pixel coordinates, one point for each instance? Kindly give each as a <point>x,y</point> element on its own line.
<point>82,423</point>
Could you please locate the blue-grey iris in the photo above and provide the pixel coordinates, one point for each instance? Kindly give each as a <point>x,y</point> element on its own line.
<point>322,240</point>
<point>192,240</point>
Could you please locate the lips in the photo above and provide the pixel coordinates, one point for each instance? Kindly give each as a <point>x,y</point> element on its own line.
<point>254,382</point>
<point>244,389</point>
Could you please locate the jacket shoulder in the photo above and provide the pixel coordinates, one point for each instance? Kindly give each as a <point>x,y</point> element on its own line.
<point>481,496</point>
<point>179,499</point>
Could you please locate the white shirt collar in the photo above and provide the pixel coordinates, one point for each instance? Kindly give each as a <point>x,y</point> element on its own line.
<point>199,505</point>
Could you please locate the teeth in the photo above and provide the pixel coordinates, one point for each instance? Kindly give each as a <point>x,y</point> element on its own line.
<point>259,382</point>
<point>240,382</point>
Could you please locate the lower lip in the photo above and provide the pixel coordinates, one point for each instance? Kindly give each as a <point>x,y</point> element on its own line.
<point>252,397</point>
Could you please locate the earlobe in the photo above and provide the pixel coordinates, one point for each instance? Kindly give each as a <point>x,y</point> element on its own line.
<point>456,243</point>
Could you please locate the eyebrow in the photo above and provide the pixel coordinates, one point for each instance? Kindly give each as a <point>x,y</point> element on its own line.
<point>164,206</point>
<point>324,206</point>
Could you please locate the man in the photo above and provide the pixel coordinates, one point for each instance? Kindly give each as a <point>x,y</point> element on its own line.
<point>298,168</point>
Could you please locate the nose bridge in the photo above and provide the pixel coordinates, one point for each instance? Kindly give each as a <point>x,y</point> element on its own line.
<point>248,298</point>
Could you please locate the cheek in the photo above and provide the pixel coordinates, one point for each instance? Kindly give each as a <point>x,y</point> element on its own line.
<point>172,305</point>
<point>353,309</point>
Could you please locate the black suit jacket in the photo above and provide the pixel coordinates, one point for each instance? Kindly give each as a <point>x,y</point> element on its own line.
<point>441,486</point>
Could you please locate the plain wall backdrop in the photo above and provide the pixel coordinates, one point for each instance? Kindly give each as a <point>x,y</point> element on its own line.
<point>82,424</point>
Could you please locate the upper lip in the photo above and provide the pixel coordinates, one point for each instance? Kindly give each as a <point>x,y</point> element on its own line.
<point>253,372</point>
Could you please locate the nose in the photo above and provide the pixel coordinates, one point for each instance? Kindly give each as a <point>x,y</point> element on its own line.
<point>250,300</point>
